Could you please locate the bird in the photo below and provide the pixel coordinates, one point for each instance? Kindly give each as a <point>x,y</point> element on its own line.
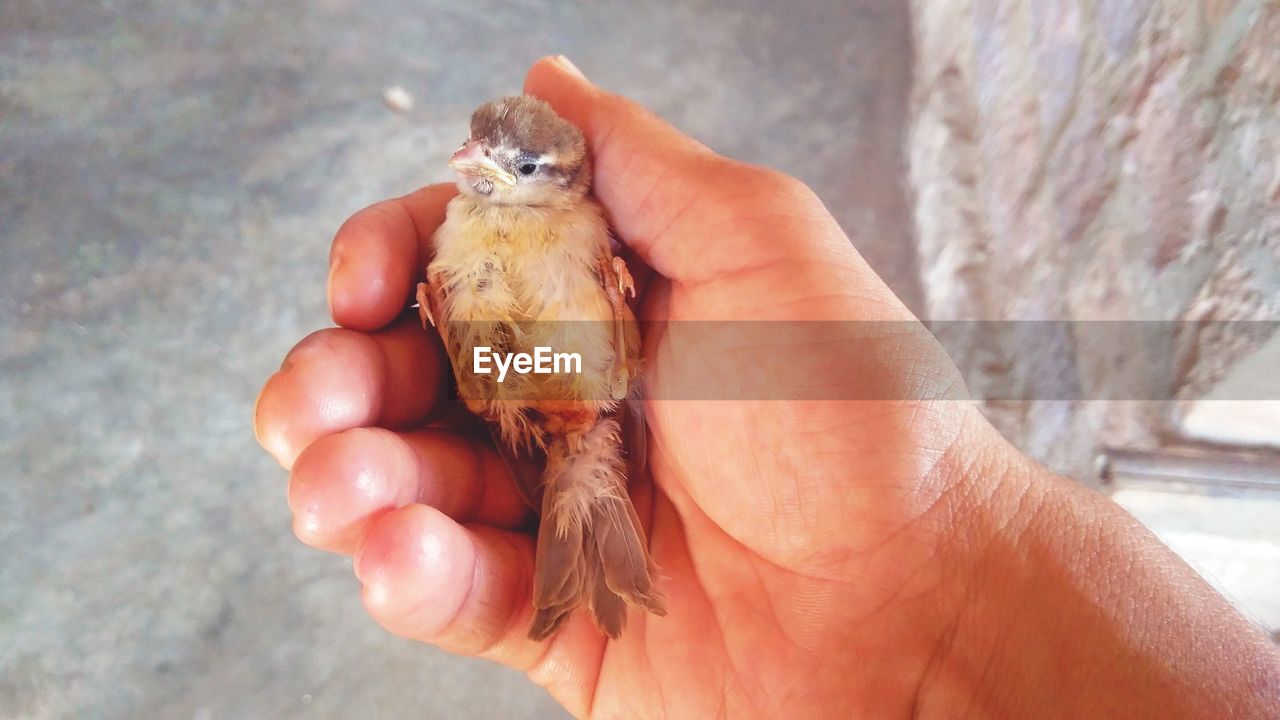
<point>525,259</point>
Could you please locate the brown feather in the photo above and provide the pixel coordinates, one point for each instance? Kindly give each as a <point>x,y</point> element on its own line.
<point>522,465</point>
<point>559,575</point>
<point>608,610</point>
<point>547,620</point>
<point>590,544</point>
<point>558,580</point>
<point>626,563</point>
<point>635,437</point>
<point>618,545</point>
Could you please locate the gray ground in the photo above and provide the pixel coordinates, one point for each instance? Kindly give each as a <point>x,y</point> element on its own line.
<point>170,177</point>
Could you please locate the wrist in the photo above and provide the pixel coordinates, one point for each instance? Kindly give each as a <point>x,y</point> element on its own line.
<point>1069,607</point>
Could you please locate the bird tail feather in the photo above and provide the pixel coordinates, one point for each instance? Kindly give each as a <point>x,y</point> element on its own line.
<point>591,547</point>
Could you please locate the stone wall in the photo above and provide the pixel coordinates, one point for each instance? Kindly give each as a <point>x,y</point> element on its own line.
<point>1099,160</point>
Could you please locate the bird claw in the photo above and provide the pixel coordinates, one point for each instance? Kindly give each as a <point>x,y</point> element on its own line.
<point>424,306</point>
<point>626,284</point>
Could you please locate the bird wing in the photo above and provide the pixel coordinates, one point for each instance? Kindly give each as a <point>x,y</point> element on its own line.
<point>523,463</point>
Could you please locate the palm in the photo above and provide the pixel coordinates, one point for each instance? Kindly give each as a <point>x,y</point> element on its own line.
<point>776,561</point>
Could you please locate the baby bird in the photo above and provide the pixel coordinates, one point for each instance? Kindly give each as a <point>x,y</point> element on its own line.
<point>523,261</point>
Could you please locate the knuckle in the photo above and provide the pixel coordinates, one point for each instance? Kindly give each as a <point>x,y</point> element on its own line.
<point>372,220</point>
<point>369,226</point>
<point>324,493</point>
<point>739,180</point>
<point>746,196</point>
<point>327,344</point>
<point>777,184</point>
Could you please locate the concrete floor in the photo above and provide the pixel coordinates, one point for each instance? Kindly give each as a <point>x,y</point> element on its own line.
<point>170,177</point>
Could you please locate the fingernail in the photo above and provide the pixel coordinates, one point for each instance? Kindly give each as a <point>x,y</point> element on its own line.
<point>335,258</point>
<point>291,358</point>
<point>356,566</point>
<point>567,65</point>
<point>335,262</point>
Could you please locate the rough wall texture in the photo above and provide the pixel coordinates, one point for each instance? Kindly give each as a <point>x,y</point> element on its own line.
<point>1099,160</point>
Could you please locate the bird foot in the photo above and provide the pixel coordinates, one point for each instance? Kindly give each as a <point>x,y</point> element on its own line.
<point>626,284</point>
<point>424,306</point>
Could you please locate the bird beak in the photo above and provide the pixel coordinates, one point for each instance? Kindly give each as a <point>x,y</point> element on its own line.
<point>473,159</point>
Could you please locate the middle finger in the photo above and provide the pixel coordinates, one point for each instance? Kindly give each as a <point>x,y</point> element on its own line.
<point>338,379</point>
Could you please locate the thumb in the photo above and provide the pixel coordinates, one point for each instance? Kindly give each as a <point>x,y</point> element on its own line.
<point>688,212</point>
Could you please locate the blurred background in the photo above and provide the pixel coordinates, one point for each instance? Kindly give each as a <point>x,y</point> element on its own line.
<point>171,175</point>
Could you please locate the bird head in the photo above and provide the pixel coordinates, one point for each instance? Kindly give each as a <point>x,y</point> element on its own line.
<point>520,152</point>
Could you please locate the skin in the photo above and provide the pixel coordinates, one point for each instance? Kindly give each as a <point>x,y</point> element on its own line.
<point>880,558</point>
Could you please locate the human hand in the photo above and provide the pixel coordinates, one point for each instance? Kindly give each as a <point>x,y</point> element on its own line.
<point>819,557</point>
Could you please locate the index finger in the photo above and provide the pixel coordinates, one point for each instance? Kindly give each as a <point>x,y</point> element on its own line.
<point>378,256</point>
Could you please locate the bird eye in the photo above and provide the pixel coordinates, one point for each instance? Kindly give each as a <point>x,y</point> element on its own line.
<point>528,169</point>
